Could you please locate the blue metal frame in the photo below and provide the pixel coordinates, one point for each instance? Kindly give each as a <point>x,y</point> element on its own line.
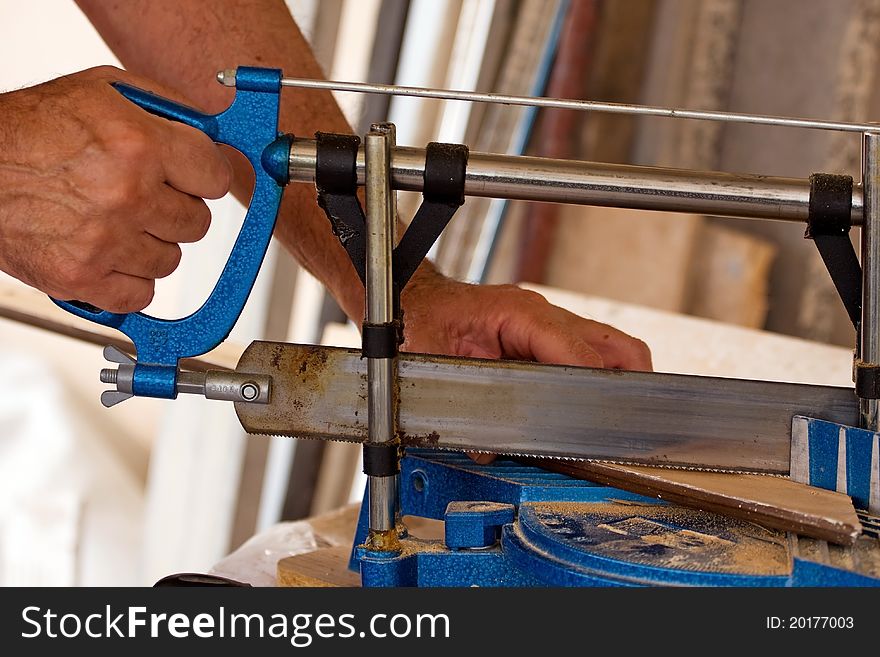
<point>837,457</point>
<point>250,125</point>
<point>569,532</point>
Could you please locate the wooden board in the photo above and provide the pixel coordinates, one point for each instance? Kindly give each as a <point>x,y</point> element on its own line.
<point>774,502</point>
<point>729,276</point>
<point>627,255</point>
<point>324,567</point>
<point>28,306</point>
<point>328,566</point>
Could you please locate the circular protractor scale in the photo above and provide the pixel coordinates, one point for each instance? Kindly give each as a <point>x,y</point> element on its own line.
<point>632,543</point>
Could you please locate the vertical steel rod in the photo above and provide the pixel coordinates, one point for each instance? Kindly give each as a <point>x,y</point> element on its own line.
<point>870,326</point>
<point>380,310</point>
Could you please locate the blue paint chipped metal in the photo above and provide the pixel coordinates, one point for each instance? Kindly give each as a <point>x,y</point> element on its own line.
<point>559,531</point>
<point>475,524</point>
<point>837,457</point>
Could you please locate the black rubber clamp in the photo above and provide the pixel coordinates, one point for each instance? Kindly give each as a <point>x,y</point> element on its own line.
<point>867,381</point>
<point>442,195</point>
<point>828,225</point>
<point>379,340</point>
<point>381,459</point>
<point>336,183</point>
<point>336,162</point>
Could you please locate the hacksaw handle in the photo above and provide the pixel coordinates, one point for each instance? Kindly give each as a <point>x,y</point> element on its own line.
<point>250,125</point>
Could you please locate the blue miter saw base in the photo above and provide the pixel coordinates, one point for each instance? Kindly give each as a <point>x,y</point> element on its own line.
<point>509,524</point>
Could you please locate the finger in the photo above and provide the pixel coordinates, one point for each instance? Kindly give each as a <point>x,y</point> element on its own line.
<point>547,341</point>
<point>618,350</point>
<point>120,293</point>
<point>481,458</point>
<point>147,257</point>
<point>627,353</point>
<point>193,163</point>
<point>561,347</point>
<point>177,217</point>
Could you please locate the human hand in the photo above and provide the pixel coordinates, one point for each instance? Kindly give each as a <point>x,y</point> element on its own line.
<point>95,193</point>
<point>443,316</point>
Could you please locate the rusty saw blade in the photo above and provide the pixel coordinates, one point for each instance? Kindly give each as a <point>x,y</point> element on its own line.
<point>528,409</point>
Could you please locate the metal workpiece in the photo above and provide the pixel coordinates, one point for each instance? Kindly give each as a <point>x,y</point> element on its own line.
<point>593,183</point>
<point>381,372</point>
<point>515,408</point>
<point>869,334</point>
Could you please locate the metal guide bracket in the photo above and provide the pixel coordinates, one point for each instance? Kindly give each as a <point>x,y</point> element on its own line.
<point>445,172</point>
<point>336,182</point>
<point>837,457</point>
<point>828,225</point>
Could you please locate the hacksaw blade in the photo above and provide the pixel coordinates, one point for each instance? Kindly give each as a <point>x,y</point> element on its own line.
<point>519,408</point>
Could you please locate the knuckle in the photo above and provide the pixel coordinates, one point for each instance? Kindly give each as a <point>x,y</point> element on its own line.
<point>119,190</point>
<point>225,177</point>
<point>130,140</point>
<point>221,178</point>
<point>191,221</point>
<point>642,349</point>
<point>532,296</point>
<point>528,296</point>
<point>146,296</point>
<point>101,242</point>
<point>137,298</point>
<point>201,220</point>
<point>104,71</point>
<point>75,276</point>
<point>167,265</point>
<point>125,135</point>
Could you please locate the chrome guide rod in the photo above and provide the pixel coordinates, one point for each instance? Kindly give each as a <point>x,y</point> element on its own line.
<point>381,372</point>
<point>562,103</point>
<point>870,324</point>
<point>592,183</point>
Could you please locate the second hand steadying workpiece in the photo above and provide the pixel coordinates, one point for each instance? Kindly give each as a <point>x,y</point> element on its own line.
<point>227,78</point>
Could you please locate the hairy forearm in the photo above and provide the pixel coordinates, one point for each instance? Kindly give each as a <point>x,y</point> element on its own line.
<point>183,43</point>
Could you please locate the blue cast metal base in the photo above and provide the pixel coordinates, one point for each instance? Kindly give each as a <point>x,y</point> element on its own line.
<point>513,525</point>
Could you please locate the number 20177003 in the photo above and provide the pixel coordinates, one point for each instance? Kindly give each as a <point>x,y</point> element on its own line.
<point>810,623</point>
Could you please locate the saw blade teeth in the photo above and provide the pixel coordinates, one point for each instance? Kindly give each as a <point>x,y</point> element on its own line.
<point>269,434</point>
<point>573,459</point>
<point>553,457</point>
